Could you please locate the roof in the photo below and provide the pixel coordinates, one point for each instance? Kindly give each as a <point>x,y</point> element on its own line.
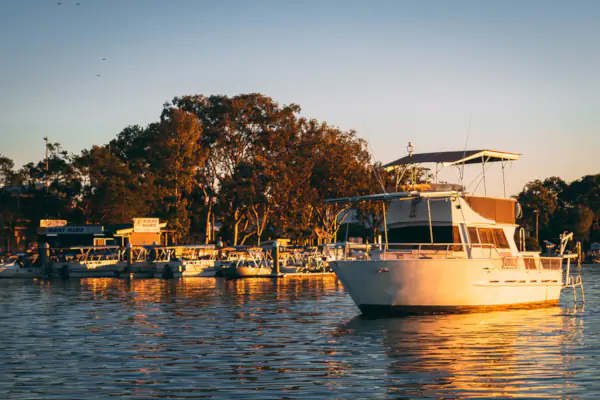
<point>455,157</point>
<point>392,196</point>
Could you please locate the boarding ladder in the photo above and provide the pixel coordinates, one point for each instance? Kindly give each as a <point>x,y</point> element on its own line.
<point>573,281</point>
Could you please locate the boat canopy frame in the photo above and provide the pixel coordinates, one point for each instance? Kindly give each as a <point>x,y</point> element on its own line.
<point>455,158</point>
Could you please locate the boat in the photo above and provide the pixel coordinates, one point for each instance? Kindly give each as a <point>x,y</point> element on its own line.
<point>242,262</point>
<point>164,261</point>
<point>593,254</point>
<point>302,260</point>
<point>198,260</point>
<point>446,250</point>
<point>85,262</point>
<point>20,265</point>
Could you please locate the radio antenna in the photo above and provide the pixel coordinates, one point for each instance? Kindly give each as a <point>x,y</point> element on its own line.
<point>462,171</point>
<point>375,171</point>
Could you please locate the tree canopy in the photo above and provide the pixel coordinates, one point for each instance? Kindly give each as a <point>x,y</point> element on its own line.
<point>247,165</point>
<point>252,167</point>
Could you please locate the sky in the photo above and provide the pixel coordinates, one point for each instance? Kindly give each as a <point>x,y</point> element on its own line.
<point>519,76</point>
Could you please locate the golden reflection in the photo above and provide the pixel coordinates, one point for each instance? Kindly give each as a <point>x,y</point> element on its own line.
<point>481,354</point>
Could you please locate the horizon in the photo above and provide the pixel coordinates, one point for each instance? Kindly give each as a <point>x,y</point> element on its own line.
<point>510,76</point>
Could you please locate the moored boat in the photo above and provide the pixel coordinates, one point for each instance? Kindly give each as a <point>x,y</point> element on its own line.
<point>241,262</point>
<point>85,262</point>
<point>448,251</point>
<point>20,265</point>
<point>198,260</point>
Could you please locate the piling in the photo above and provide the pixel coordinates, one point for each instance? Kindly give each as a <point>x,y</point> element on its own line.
<point>276,267</point>
<point>129,257</point>
<point>44,253</point>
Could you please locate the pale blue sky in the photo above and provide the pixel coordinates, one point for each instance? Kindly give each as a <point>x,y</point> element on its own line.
<point>527,72</point>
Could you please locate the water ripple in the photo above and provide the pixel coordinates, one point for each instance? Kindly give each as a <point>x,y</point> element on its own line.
<point>291,338</point>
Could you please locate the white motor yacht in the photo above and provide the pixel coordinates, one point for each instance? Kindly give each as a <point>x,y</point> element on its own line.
<point>448,251</point>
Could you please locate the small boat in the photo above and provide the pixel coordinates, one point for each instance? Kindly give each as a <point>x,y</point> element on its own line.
<point>20,265</point>
<point>198,260</point>
<point>164,261</point>
<point>593,254</point>
<point>302,260</point>
<point>241,262</point>
<point>85,262</point>
<point>449,251</point>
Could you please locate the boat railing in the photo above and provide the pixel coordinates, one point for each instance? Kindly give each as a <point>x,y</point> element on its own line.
<point>416,251</point>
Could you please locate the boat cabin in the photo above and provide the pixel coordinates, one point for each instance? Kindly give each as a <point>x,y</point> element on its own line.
<point>442,216</point>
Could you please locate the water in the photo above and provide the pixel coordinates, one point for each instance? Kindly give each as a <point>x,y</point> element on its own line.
<point>292,338</point>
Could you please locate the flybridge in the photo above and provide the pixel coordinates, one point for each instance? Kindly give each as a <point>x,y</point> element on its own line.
<point>412,163</point>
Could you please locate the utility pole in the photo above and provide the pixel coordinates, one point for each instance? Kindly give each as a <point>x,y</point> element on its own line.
<point>47,185</point>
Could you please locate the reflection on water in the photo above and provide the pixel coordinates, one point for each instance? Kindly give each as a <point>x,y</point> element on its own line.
<point>263,338</point>
<point>485,354</point>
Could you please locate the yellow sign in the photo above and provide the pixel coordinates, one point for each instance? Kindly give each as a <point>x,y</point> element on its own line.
<point>147,225</point>
<point>51,223</point>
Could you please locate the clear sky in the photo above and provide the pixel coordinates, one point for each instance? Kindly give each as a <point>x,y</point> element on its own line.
<point>525,73</point>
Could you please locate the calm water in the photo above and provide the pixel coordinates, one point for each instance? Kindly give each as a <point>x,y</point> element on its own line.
<point>294,338</point>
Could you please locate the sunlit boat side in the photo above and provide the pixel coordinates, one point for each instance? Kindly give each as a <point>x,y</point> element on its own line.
<point>447,251</point>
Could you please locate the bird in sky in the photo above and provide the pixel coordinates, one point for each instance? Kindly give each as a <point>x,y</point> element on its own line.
<point>59,3</point>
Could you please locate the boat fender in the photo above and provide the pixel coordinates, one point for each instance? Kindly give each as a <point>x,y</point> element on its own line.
<point>168,272</point>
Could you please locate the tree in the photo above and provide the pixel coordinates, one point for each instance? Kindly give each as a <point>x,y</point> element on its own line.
<point>112,193</point>
<point>7,175</point>
<point>176,158</point>
<point>545,198</point>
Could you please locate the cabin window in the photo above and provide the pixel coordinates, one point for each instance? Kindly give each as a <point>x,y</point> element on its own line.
<point>421,234</point>
<point>500,239</point>
<point>473,237</point>
<point>456,239</point>
<point>485,234</point>
<point>455,235</point>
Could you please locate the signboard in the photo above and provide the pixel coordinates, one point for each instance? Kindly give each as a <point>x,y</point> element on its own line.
<point>146,225</point>
<point>49,223</point>
<point>75,230</point>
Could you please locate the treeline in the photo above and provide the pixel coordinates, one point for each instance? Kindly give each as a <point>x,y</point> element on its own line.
<point>252,167</point>
<point>245,163</point>
<point>556,206</point>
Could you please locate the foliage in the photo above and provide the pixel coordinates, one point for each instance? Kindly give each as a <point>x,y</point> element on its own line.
<point>249,165</point>
<point>560,206</point>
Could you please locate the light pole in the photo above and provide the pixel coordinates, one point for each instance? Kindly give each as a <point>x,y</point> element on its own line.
<point>46,139</point>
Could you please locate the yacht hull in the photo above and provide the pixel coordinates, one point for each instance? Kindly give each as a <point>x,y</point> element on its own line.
<point>389,287</point>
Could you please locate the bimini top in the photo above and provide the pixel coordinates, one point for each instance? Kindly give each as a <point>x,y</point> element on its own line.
<point>392,196</point>
<point>455,157</point>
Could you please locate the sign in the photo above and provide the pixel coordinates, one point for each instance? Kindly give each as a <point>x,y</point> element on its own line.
<point>75,230</point>
<point>146,225</point>
<point>49,223</point>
